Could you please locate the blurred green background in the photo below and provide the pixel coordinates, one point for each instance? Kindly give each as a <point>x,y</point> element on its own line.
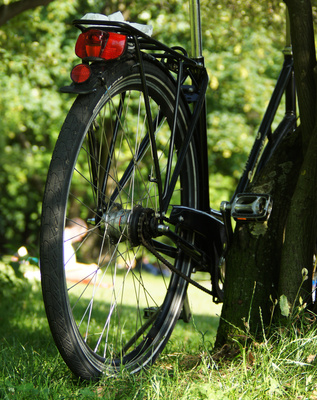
<point>243,42</point>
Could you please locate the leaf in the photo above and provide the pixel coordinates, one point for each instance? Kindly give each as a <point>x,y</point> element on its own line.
<point>284,306</point>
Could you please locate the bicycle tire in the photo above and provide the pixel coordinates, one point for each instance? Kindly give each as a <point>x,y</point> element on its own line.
<point>92,316</point>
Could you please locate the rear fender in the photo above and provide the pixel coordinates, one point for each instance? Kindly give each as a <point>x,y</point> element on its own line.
<point>95,80</point>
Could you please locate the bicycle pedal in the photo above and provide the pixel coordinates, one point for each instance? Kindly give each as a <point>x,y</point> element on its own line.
<point>251,207</point>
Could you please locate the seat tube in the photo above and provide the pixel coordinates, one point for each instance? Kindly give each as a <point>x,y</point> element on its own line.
<point>288,40</point>
<point>195,29</point>
<point>290,91</point>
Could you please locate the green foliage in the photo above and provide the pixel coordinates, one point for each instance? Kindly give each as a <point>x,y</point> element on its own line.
<point>242,42</point>
<point>35,52</point>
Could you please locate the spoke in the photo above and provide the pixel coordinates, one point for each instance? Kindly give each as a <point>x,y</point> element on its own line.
<point>140,332</point>
<point>117,125</point>
<point>135,161</point>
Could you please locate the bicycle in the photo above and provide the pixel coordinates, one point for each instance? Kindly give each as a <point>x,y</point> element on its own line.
<point>130,172</point>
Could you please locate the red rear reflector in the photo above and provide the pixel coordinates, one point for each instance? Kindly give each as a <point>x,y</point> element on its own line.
<point>115,46</point>
<point>80,73</point>
<point>100,44</point>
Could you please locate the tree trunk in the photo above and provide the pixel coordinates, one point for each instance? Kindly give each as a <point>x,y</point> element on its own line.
<point>266,260</point>
<point>300,230</point>
<point>252,263</point>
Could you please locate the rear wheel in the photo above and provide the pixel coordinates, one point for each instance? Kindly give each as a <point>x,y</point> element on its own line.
<point>110,301</point>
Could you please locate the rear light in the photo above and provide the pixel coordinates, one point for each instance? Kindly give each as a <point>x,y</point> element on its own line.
<point>81,73</point>
<point>100,44</point>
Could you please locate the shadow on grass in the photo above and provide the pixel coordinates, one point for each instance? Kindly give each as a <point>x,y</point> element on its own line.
<point>22,315</point>
<point>30,366</point>
<point>23,319</point>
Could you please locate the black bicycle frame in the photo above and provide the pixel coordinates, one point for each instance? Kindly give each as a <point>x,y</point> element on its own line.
<point>285,85</point>
<point>176,61</point>
<point>197,131</point>
<point>186,66</point>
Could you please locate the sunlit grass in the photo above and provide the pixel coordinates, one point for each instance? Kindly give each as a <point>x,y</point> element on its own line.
<point>282,366</point>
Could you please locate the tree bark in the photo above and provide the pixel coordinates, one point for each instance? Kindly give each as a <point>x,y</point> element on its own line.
<point>253,260</point>
<point>303,44</point>
<point>300,229</point>
<point>300,232</point>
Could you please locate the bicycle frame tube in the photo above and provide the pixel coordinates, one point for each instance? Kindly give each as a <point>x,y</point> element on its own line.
<point>195,29</point>
<point>284,82</point>
<point>197,121</point>
<point>290,91</point>
<point>285,85</point>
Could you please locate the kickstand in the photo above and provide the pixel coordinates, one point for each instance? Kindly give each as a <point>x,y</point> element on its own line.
<point>186,314</point>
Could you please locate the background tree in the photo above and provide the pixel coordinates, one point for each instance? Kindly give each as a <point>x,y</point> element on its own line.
<point>268,260</point>
<point>242,44</point>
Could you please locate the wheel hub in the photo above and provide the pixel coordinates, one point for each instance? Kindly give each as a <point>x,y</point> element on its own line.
<point>134,225</point>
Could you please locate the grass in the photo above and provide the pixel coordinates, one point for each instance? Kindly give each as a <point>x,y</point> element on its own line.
<point>283,366</point>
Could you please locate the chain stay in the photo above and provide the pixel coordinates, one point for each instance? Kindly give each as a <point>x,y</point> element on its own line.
<point>173,269</point>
